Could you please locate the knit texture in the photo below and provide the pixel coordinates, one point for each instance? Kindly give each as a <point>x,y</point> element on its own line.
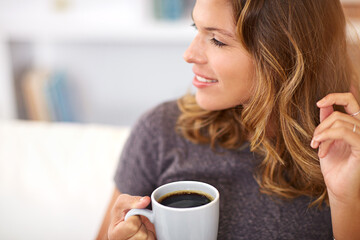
<point>155,155</point>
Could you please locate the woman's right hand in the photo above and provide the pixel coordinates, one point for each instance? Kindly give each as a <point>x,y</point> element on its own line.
<point>135,227</point>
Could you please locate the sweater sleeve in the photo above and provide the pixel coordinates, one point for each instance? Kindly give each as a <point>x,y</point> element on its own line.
<point>136,173</point>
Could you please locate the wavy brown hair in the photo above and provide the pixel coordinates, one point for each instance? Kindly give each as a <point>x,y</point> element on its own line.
<point>300,52</point>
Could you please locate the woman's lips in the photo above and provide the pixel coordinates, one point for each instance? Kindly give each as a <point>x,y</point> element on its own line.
<point>201,82</point>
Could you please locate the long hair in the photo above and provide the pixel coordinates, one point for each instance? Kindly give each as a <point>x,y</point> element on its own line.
<point>300,52</point>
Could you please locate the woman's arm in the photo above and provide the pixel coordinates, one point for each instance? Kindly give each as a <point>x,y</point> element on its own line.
<point>345,219</point>
<point>338,139</point>
<point>103,231</point>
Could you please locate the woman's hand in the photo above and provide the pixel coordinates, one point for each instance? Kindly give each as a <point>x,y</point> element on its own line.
<point>135,227</point>
<point>338,139</point>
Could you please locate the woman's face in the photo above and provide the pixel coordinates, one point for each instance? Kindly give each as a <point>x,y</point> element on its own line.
<point>224,71</point>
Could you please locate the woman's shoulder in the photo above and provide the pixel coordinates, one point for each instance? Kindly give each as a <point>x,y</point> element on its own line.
<point>161,117</point>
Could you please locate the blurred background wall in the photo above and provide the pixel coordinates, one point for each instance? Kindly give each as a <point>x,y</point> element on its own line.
<point>92,61</point>
<point>95,61</point>
<point>102,62</point>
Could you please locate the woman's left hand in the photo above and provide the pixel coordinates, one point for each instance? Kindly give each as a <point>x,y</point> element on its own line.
<point>338,139</point>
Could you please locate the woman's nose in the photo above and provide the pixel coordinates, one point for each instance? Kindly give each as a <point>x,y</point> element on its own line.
<point>195,53</point>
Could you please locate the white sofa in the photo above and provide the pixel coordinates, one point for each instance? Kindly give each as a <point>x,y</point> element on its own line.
<point>56,178</point>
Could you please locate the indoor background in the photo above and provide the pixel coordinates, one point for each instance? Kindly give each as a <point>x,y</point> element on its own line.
<point>74,77</point>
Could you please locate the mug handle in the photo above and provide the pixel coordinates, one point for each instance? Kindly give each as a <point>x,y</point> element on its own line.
<point>144,212</point>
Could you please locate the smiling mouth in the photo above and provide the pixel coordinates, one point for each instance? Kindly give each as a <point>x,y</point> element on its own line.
<point>204,80</point>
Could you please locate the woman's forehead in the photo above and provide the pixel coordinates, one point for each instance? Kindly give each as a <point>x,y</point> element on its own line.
<point>214,12</point>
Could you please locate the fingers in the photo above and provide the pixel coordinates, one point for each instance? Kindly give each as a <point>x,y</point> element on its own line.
<point>151,236</point>
<point>125,230</point>
<point>134,227</point>
<point>126,202</point>
<point>343,99</point>
<point>149,226</point>
<point>143,234</point>
<point>336,125</point>
<point>336,120</point>
<point>324,148</point>
<point>325,112</point>
<point>341,133</point>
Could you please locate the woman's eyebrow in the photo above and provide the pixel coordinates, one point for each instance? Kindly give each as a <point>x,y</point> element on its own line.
<point>214,29</point>
<point>219,30</point>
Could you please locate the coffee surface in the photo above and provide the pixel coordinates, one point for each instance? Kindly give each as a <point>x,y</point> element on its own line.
<point>184,199</point>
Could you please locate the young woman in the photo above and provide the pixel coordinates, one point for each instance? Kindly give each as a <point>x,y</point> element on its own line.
<point>274,126</point>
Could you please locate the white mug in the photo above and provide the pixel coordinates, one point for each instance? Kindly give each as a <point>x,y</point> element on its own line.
<point>194,223</point>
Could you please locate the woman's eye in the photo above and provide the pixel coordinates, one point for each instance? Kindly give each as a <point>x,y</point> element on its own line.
<point>213,40</point>
<point>217,42</point>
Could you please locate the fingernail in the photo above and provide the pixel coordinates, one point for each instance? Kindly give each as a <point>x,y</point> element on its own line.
<point>142,199</point>
<point>312,143</point>
<point>321,102</point>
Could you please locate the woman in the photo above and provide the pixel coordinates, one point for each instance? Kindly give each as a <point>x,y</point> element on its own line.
<point>254,126</point>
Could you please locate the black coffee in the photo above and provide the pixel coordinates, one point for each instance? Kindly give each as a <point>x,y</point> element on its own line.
<point>185,199</point>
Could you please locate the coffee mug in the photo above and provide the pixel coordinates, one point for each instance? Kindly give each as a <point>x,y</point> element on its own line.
<point>184,210</point>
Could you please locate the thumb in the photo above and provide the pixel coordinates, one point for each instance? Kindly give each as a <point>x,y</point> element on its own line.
<point>126,202</point>
<point>141,202</point>
<point>325,112</point>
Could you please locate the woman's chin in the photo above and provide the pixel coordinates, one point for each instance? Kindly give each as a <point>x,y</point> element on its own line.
<point>215,104</point>
<point>208,103</point>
